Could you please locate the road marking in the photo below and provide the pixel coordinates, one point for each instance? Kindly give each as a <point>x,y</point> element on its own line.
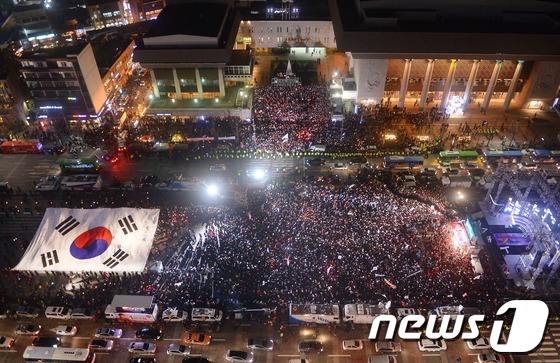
<point>339,355</point>
<point>219,340</point>
<point>8,351</point>
<point>431,355</point>
<point>288,355</point>
<point>173,339</point>
<point>81,338</point>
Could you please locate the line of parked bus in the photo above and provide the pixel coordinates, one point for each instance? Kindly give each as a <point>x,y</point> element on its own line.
<point>363,313</point>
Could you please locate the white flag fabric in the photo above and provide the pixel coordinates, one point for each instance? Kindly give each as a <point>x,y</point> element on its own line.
<point>103,239</point>
<point>285,137</point>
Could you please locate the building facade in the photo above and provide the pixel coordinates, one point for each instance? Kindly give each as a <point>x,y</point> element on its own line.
<point>12,104</point>
<point>109,13</point>
<point>452,54</point>
<point>188,49</point>
<point>33,24</point>
<point>65,83</point>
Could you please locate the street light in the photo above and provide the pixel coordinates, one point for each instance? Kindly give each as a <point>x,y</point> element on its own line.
<point>212,190</point>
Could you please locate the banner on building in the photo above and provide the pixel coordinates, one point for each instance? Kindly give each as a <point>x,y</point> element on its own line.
<point>103,239</point>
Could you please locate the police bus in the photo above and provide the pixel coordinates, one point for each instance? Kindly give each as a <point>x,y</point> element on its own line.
<point>58,355</point>
<point>314,313</point>
<point>398,162</point>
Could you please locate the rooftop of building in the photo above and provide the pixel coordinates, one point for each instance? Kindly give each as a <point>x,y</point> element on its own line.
<point>240,58</point>
<point>279,10</point>
<point>447,28</point>
<point>28,5</point>
<point>108,49</point>
<point>201,33</point>
<point>194,18</point>
<point>100,2</point>
<point>54,53</point>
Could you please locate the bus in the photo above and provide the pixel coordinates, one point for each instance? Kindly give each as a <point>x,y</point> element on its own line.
<point>80,166</point>
<point>81,182</point>
<point>133,309</point>
<point>314,313</point>
<point>398,162</point>
<point>505,157</point>
<point>22,147</point>
<point>543,156</point>
<point>457,156</point>
<point>58,355</point>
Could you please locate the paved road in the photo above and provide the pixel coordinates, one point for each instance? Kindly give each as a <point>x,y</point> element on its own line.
<point>235,338</point>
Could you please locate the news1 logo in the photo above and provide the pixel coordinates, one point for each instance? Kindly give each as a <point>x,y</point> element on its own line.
<point>526,332</point>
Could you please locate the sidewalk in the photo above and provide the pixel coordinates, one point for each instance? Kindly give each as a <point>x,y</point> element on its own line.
<point>517,124</point>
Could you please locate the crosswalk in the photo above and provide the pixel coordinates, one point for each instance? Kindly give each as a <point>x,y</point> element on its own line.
<point>272,165</point>
<point>548,351</point>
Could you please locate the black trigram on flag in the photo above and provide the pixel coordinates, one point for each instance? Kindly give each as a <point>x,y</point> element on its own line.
<point>67,225</point>
<point>117,258</point>
<point>127,224</point>
<point>49,258</point>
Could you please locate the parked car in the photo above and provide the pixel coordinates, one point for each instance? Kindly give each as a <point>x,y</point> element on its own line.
<point>149,333</point>
<point>83,314</point>
<point>239,356</point>
<point>357,160</point>
<point>388,347</point>
<point>28,329</point>
<point>430,345</point>
<point>218,167</point>
<point>468,165</point>
<point>260,344</point>
<point>27,312</point>
<point>142,347</point>
<point>339,166</point>
<point>197,338</point>
<point>477,172</point>
<point>310,346</point>
<point>56,150</point>
<point>142,360</point>
<point>316,162</point>
<point>4,313</point>
<point>173,314</point>
<point>479,343</point>
<point>428,171</point>
<point>68,330</point>
<point>51,342</point>
<point>352,344</point>
<point>6,343</point>
<point>176,349</point>
<point>111,333</point>
<point>101,344</point>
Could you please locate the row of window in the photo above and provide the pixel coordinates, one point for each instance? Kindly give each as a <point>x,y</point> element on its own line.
<point>54,84</point>
<point>31,20</point>
<point>280,40</point>
<point>55,94</point>
<point>44,64</point>
<point>47,75</point>
<point>280,29</point>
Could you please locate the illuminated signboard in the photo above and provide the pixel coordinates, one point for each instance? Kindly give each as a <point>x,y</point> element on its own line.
<point>469,228</point>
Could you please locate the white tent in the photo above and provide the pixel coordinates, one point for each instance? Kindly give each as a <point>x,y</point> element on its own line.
<point>103,239</point>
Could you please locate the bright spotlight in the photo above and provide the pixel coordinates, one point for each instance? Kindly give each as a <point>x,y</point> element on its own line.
<point>212,190</point>
<point>259,174</point>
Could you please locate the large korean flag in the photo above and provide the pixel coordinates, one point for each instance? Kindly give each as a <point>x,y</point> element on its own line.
<point>103,239</point>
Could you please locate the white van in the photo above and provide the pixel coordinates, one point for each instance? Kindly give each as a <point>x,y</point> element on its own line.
<point>382,359</point>
<point>477,266</point>
<point>206,314</point>
<point>58,312</point>
<point>318,147</point>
